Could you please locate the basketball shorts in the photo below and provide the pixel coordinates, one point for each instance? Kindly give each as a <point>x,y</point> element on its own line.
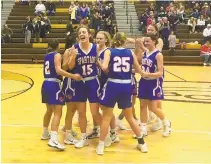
<point>134,85</point>
<point>151,89</point>
<point>80,91</point>
<point>52,94</point>
<point>114,92</point>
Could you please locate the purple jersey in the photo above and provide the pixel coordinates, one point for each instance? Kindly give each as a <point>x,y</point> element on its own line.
<point>49,70</point>
<point>102,75</point>
<point>120,66</point>
<point>86,62</point>
<point>149,62</point>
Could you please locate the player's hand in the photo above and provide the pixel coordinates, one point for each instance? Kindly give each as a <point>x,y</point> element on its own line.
<point>77,77</point>
<point>144,74</point>
<point>73,51</point>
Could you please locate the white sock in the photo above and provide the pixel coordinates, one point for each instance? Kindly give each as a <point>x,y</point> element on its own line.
<point>101,143</point>
<point>165,121</point>
<point>112,131</point>
<point>45,129</point>
<point>83,135</point>
<point>54,136</point>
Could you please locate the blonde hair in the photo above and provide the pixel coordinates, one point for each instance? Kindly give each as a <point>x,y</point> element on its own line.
<point>108,37</point>
<point>119,39</point>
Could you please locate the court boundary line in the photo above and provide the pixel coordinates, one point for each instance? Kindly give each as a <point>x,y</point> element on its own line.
<point>128,129</point>
<point>31,85</point>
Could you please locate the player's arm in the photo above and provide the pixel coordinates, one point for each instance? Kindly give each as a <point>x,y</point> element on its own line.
<point>104,65</point>
<point>60,71</point>
<point>159,46</point>
<point>72,58</point>
<point>136,65</point>
<point>66,59</point>
<point>159,73</point>
<point>131,40</point>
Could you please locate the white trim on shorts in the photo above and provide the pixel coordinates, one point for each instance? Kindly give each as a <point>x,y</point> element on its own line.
<point>120,81</point>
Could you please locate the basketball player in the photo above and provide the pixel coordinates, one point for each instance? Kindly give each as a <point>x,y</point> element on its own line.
<point>52,94</point>
<point>139,49</point>
<point>150,86</point>
<point>118,63</point>
<point>103,41</point>
<point>69,91</point>
<point>84,63</point>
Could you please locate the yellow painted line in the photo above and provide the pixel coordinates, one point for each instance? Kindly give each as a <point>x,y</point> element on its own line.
<point>62,10</point>
<point>58,25</point>
<point>45,45</point>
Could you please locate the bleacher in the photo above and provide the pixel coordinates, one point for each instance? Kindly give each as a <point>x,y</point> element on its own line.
<point>18,51</point>
<point>187,54</point>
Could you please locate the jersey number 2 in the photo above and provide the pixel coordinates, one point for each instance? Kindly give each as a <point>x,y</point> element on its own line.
<point>121,64</point>
<point>47,68</point>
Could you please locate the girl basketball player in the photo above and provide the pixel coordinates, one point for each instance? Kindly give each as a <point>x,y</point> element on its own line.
<point>103,41</point>
<point>139,49</point>
<point>52,95</point>
<point>150,86</point>
<point>118,63</point>
<point>84,63</point>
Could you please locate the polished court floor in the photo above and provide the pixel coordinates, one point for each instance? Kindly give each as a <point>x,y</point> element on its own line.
<point>188,106</point>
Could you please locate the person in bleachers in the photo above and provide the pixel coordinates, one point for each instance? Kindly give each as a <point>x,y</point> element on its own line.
<point>28,29</point>
<point>207,33</point>
<point>96,21</point>
<point>24,2</point>
<point>162,13</point>
<point>206,53</point>
<point>37,28</point>
<point>83,10</point>
<point>71,35</point>
<point>195,14</point>
<point>151,18</point>
<point>200,24</point>
<point>143,21</point>
<point>47,22</point>
<point>165,32</point>
<point>181,12</point>
<point>40,8</point>
<point>51,8</point>
<point>192,25</point>
<point>6,34</point>
<point>72,12</point>
<point>172,41</point>
<point>206,13</point>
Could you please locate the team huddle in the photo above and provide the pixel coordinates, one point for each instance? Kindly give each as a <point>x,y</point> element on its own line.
<point>104,76</point>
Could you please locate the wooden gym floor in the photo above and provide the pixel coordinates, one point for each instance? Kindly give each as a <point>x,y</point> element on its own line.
<point>188,106</point>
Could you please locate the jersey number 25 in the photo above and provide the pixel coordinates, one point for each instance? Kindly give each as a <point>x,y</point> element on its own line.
<point>121,64</point>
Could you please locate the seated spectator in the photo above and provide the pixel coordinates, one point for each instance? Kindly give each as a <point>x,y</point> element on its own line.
<point>40,8</point>
<point>206,13</point>
<point>151,19</point>
<point>24,2</point>
<point>143,22</point>
<point>162,13</point>
<point>83,11</point>
<point>207,33</point>
<point>6,34</point>
<point>37,28</point>
<point>200,24</point>
<point>172,41</point>
<point>96,21</point>
<point>206,53</point>
<point>51,8</point>
<point>106,12</point>
<point>191,25</point>
<point>195,14</point>
<point>28,29</point>
<point>181,12</point>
